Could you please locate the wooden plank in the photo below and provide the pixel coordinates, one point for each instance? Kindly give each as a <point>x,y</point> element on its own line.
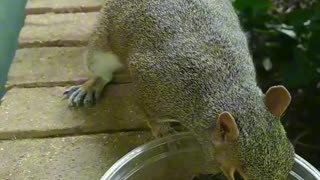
<point>67,158</point>
<point>41,112</point>
<point>50,66</point>
<point>62,3</point>
<point>57,30</point>
<point>42,65</point>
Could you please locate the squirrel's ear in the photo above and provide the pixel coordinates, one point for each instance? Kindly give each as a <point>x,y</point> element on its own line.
<point>277,100</point>
<point>228,126</point>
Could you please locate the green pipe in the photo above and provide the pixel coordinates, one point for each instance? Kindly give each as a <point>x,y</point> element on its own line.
<point>12,15</point>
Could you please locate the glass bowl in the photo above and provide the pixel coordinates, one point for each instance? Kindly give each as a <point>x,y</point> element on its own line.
<point>155,161</point>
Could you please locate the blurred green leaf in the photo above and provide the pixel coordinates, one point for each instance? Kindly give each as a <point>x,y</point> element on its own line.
<point>299,17</point>
<point>287,30</point>
<point>261,6</point>
<point>300,71</point>
<point>314,42</point>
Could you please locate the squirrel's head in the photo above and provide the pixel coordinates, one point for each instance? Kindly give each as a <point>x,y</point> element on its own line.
<point>255,144</point>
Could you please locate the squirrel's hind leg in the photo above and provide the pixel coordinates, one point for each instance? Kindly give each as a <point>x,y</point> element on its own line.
<point>159,128</point>
<point>163,128</point>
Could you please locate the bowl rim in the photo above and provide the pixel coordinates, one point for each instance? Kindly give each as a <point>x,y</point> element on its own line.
<point>179,136</point>
<point>311,169</point>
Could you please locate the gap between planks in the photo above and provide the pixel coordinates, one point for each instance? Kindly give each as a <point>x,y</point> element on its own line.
<point>63,10</point>
<point>71,132</point>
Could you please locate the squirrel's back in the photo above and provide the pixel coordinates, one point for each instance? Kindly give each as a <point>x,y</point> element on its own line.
<point>189,61</point>
<point>192,50</point>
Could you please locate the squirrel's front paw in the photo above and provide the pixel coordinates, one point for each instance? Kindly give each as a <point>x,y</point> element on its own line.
<point>86,94</point>
<point>78,96</point>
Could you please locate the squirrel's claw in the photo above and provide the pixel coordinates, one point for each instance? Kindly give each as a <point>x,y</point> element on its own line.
<point>86,94</point>
<point>82,96</point>
<point>79,96</point>
<point>75,95</point>
<point>67,93</point>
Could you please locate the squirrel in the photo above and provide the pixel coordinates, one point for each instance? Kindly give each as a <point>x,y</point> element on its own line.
<point>189,62</point>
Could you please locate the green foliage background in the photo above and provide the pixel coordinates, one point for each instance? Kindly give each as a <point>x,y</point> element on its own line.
<point>286,50</point>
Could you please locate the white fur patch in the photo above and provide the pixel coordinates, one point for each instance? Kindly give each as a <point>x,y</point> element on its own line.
<point>104,64</point>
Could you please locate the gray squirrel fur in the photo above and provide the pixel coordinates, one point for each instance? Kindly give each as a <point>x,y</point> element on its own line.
<point>189,61</point>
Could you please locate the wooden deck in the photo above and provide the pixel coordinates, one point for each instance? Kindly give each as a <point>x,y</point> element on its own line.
<point>41,137</point>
